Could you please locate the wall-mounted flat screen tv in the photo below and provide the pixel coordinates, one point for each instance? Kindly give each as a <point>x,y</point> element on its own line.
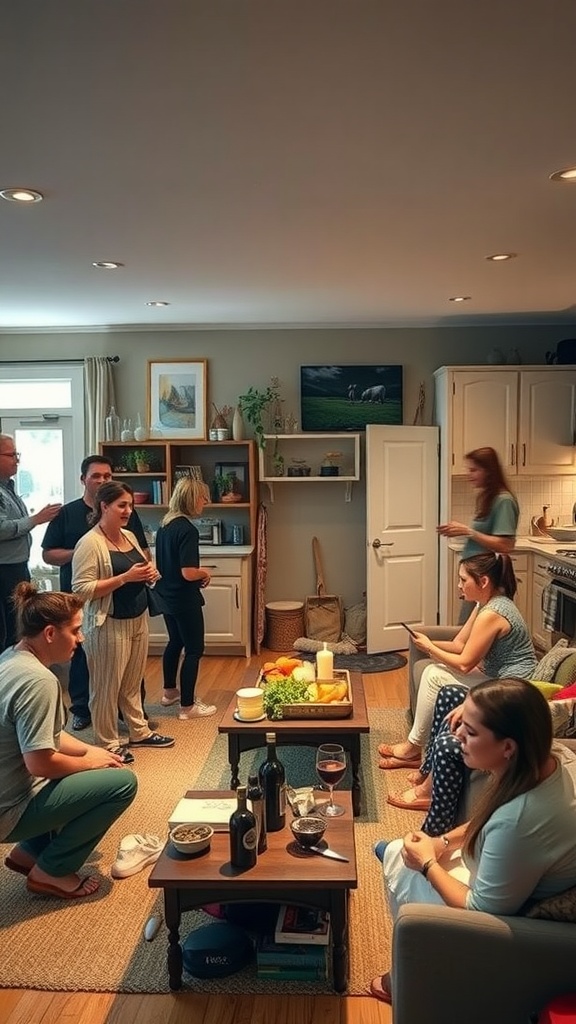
<point>347,397</point>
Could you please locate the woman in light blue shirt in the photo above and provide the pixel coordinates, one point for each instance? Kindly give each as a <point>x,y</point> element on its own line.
<point>521,841</point>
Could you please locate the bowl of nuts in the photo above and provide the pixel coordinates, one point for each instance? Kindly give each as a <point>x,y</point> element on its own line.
<point>191,838</point>
<point>308,830</point>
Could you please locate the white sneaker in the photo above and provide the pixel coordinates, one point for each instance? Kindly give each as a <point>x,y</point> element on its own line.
<point>198,710</point>
<point>135,853</point>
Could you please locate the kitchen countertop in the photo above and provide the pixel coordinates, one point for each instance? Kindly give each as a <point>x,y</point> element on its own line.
<point>525,544</point>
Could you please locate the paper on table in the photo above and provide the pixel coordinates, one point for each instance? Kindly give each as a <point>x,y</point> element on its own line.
<point>214,811</point>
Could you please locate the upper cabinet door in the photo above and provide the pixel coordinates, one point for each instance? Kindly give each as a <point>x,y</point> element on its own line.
<point>547,422</point>
<point>484,413</point>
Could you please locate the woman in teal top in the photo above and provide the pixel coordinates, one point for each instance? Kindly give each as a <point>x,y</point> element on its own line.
<point>495,516</point>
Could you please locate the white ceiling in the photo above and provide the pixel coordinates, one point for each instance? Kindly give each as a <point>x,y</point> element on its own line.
<point>323,162</point>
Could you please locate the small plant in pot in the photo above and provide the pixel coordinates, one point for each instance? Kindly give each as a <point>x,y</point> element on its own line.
<point>227,488</point>
<point>139,459</point>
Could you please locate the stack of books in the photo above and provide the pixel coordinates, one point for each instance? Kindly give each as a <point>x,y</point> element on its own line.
<point>298,948</point>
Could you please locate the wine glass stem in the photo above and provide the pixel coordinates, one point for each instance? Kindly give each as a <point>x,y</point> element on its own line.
<point>331,796</point>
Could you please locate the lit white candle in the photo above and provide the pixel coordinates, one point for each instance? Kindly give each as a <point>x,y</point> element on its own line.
<point>325,664</point>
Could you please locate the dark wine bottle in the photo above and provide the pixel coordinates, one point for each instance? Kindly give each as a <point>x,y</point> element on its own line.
<point>273,782</point>
<point>255,804</point>
<point>243,838</point>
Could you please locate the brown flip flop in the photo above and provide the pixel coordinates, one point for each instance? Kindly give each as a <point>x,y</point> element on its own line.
<point>380,988</point>
<point>10,863</point>
<point>419,804</point>
<point>45,889</point>
<point>387,763</point>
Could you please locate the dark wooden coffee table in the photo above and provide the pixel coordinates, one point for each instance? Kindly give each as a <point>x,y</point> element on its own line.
<point>283,874</point>
<point>293,731</point>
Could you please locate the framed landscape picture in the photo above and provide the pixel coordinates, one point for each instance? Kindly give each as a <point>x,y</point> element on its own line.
<point>177,390</point>
<point>347,397</point>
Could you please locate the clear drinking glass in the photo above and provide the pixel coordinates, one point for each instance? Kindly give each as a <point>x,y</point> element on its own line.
<point>331,769</point>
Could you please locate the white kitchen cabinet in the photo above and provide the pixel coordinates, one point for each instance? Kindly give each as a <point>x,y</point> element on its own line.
<point>541,637</point>
<point>528,416</point>
<point>227,607</point>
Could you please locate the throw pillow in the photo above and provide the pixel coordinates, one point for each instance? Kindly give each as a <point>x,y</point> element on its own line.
<point>566,672</point>
<point>566,693</point>
<point>546,689</point>
<point>556,908</point>
<point>546,668</point>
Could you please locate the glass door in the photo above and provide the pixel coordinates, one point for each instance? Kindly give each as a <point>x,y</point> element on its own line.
<point>46,474</point>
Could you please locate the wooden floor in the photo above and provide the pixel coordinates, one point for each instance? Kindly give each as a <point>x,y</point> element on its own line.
<point>219,678</point>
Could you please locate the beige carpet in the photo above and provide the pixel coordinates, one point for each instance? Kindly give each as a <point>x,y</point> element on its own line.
<point>97,945</point>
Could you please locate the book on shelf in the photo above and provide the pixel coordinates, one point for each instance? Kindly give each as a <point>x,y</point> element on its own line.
<point>214,811</point>
<point>274,954</point>
<point>307,925</point>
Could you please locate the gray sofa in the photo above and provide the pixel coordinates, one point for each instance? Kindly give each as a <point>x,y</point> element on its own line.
<point>451,966</point>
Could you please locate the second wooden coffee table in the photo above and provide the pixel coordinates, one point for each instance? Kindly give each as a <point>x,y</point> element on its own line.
<point>309,732</point>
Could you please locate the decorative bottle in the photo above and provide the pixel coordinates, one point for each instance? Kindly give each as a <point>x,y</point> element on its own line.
<point>127,432</point>
<point>238,425</point>
<point>243,836</point>
<point>255,801</point>
<point>140,432</point>
<point>112,425</point>
<point>273,781</point>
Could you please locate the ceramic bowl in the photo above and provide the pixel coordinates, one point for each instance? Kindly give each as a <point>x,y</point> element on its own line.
<point>191,838</point>
<point>141,497</point>
<point>308,831</point>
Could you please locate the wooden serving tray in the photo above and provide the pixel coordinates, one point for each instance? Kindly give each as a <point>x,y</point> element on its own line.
<point>307,709</point>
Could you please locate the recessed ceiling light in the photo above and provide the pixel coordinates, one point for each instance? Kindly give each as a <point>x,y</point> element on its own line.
<point>107,265</point>
<point>21,195</point>
<point>459,298</point>
<point>567,174</point>
<point>157,302</point>
<point>499,257</point>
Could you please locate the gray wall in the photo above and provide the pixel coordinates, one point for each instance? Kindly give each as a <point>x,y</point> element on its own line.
<point>239,358</point>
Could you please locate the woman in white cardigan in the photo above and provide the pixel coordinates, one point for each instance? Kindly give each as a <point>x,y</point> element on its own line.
<point>111,571</point>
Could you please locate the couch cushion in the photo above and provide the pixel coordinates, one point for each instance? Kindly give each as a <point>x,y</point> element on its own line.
<point>546,668</point>
<point>556,908</point>
<point>566,671</point>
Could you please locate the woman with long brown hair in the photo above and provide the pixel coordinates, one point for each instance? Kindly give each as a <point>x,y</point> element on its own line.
<point>56,802</point>
<point>496,512</point>
<point>520,843</point>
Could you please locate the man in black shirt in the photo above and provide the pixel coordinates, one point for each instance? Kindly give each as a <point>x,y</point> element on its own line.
<point>58,545</point>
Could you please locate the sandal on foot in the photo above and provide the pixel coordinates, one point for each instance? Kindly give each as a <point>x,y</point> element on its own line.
<point>380,988</point>
<point>418,804</point>
<point>46,889</point>
<point>387,763</point>
<point>12,865</point>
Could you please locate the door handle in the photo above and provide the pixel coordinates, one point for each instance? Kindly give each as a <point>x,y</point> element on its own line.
<point>382,544</point>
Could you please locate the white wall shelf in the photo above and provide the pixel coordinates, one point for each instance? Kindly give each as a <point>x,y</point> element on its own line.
<point>312,448</point>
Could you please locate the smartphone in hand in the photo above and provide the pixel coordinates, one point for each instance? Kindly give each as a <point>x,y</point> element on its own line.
<point>411,631</point>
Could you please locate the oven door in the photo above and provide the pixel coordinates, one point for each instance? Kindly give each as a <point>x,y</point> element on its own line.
<point>565,613</point>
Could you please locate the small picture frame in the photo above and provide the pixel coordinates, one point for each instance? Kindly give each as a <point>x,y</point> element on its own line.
<point>236,470</point>
<point>177,398</point>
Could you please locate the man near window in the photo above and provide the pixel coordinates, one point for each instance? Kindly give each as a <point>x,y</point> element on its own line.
<point>15,527</point>
<point>58,546</point>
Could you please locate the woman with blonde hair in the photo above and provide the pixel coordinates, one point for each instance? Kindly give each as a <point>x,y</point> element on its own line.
<point>56,799</point>
<point>179,592</point>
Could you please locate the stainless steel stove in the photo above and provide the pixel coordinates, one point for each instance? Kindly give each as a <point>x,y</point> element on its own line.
<point>561,601</point>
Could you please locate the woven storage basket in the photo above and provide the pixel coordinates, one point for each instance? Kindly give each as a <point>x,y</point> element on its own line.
<point>284,624</point>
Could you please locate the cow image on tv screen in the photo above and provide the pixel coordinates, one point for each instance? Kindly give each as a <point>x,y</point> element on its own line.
<point>347,397</point>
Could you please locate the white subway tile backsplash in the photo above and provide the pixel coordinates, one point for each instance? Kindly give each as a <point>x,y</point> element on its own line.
<point>532,493</point>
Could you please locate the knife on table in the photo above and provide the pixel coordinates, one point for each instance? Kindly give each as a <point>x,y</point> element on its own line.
<point>327,852</point>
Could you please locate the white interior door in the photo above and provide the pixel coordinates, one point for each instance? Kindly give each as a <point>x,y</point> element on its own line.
<point>402,544</point>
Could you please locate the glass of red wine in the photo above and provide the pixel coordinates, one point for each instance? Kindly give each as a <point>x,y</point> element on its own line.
<point>331,768</point>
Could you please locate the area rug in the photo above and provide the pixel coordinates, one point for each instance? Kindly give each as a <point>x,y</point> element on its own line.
<point>97,945</point>
<point>365,663</point>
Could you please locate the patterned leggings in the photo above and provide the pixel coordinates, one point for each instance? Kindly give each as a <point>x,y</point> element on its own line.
<point>444,759</point>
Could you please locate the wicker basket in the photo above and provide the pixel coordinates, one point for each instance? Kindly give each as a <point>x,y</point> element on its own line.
<point>284,624</point>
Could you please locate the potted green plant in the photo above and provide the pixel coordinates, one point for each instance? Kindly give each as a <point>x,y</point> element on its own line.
<point>139,459</point>
<point>253,404</point>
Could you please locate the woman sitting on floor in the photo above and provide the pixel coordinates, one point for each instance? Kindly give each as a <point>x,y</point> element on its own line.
<point>56,802</point>
<point>521,840</point>
<point>493,643</point>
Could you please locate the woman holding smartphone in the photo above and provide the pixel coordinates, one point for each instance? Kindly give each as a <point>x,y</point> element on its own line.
<point>493,643</point>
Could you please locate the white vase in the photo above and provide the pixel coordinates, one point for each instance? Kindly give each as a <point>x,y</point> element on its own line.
<point>238,425</point>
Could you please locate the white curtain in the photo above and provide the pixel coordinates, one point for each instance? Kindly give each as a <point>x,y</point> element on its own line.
<point>100,395</point>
